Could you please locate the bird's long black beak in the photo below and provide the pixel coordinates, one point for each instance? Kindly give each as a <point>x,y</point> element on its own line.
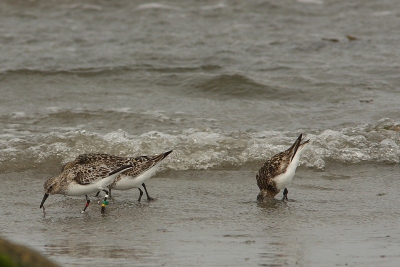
<point>44,199</point>
<point>296,145</point>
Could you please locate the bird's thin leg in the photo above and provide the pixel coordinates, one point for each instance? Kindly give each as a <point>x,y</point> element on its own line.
<point>98,193</point>
<point>105,202</point>
<point>87,203</point>
<point>285,193</point>
<point>147,194</point>
<point>141,194</point>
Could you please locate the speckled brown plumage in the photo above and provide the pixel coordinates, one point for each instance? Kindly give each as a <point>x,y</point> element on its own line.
<point>140,164</point>
<point>275,166</point>
<point>144,167</point>
<point>82,174</point>
<point>87,159</point>
<point>83,178</point>
<point>271,168</point>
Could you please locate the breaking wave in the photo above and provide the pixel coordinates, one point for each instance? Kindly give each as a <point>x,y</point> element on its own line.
<point>203,148</point>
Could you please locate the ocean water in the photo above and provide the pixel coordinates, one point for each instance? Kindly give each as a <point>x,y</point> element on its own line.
<point>225,84</point>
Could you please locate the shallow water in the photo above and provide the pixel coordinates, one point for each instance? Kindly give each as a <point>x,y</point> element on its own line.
<point>344,215</point>
<point>225,85</point>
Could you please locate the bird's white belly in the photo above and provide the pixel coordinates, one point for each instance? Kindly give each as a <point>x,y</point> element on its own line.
<point>284,179</point>
<point>128,182</point>
<point>76,189</point>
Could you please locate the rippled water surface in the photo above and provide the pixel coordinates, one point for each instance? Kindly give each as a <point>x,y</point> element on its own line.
<point>346,215</point>
<point>225,84</point>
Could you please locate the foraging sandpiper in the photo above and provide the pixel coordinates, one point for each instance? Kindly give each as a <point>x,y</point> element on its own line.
<point>278,172</point>
<point>83,179</point>
<point>144,167</point>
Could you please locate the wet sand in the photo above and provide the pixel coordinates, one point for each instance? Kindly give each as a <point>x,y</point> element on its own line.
<point>347,215</point>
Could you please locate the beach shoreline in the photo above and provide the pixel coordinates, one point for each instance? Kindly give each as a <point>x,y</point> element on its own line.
<point>343,215</point>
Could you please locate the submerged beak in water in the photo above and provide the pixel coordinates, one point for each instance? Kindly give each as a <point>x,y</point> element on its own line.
<point>44,199</point>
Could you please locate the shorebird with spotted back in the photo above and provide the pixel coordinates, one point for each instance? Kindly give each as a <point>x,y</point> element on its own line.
<point>278,172</point>
<point>144,167</point>
<point>82,179</point>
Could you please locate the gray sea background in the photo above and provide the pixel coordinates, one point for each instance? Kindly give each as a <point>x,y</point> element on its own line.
<point>226,85</point>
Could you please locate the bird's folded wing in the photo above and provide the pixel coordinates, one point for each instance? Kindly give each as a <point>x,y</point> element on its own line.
<point>90,174</point>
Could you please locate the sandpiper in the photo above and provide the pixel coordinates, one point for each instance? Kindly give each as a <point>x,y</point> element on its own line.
<point>144,167</point>
<point>278,172</point>
<point>83,179</point>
